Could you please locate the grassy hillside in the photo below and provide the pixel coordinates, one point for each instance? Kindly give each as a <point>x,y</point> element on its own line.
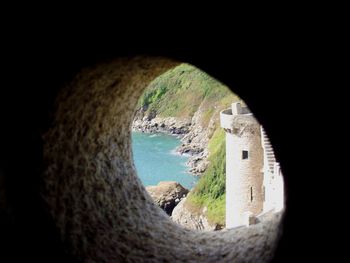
<point>210,189</point>
<point>179,93</point>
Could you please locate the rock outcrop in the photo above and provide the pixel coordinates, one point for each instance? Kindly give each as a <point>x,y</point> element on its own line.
<point>195,220</point>
<point>195,142</point>
<point>151,123</point>
<point>167,194</point>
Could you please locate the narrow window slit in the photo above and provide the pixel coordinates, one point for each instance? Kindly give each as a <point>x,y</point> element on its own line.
<point>244,155</point>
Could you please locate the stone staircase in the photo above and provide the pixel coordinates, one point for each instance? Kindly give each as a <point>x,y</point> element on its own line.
<point>268,151</point>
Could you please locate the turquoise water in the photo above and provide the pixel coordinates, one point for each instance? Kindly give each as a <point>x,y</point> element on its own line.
<point>155,160</point>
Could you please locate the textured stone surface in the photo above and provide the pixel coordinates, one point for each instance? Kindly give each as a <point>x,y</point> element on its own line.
<point>190,219</point>
<point>94,195</point>
<point>167,194</point>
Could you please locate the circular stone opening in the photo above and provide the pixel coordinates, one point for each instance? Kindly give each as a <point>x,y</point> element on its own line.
<point>98,202</point>
<point>177,120</point>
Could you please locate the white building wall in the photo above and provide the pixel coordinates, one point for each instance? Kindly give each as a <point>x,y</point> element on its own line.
<point>278,194</point>
<point>274,192</point>
<point>273,187</point>
<point>252,185</point>
<point>269,191</point>
<point>244,177</point>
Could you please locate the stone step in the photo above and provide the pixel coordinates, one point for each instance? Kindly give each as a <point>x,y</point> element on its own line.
<point>268,151</point>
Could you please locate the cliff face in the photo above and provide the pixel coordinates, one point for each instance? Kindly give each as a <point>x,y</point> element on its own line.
<point>195,142</point>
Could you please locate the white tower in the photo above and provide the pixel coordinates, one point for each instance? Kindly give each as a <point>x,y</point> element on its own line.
<point>244,165</point>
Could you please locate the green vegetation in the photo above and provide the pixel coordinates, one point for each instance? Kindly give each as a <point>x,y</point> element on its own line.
<point>180,92</point>
<point>210,190</point>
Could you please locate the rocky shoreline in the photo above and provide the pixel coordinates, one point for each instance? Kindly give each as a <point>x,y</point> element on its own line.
<point>195,139</point>
<point>193,136</point>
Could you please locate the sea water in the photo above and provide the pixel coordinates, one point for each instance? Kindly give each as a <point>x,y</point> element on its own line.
<point>156,160</point>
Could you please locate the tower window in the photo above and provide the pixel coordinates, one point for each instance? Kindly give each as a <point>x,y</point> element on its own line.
<point>251,194</point>
<point>244,155</point>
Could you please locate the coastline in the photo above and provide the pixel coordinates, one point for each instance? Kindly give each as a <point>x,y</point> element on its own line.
<point>156,159</point>
<point>194,142</point>
<point>166,194</point>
